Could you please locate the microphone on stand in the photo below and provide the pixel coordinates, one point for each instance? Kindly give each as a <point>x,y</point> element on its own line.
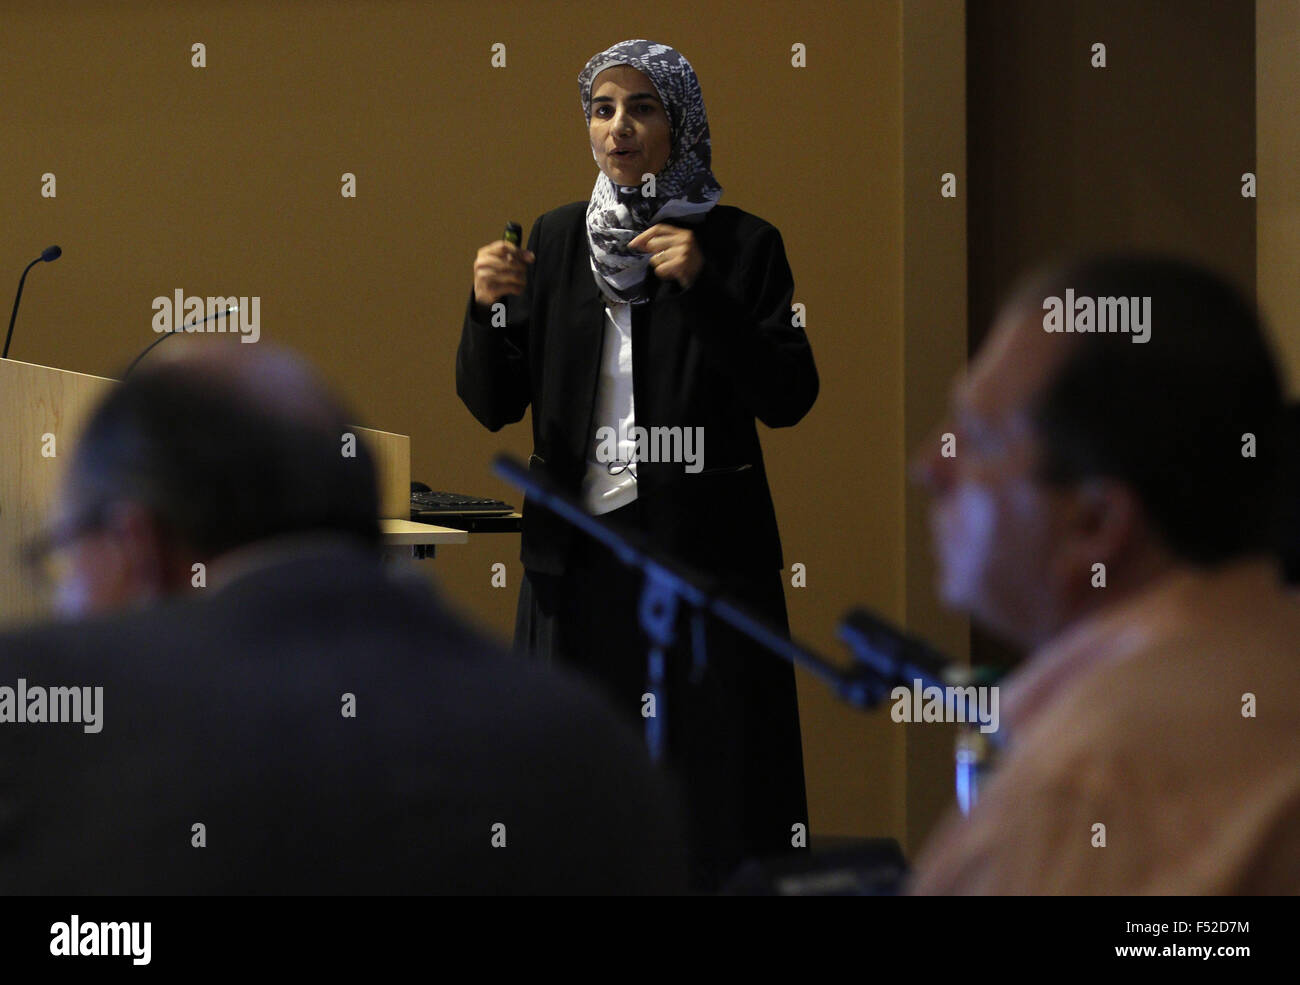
<point>48,255</point>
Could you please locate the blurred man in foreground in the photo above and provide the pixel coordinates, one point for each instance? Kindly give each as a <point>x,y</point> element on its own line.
<point>1112,507</point>
<point>277,713</point>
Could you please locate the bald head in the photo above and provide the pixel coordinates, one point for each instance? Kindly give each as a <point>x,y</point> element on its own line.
<point>210,448</point>
<point>267,379</point>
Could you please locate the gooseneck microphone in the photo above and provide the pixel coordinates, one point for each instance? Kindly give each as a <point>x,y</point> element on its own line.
<point>225,312</point>
<point>49,254</point>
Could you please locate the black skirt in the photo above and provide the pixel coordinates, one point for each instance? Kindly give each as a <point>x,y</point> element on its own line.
<point>732,726</point>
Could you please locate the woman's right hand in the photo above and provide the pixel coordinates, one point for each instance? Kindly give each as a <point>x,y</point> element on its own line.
<point>500,268</point>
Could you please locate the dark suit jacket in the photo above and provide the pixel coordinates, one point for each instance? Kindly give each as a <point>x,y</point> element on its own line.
<point>226,711</point>
<point>718,355</point>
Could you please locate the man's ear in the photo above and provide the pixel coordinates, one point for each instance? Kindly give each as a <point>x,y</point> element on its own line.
<point>1104,523</point>
<point>138,537</point>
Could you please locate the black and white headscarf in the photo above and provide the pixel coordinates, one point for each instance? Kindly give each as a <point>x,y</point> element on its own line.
<point>684,188</point>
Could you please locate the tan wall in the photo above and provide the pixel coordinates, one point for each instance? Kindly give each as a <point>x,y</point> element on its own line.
<point>1146,153</point>
<point>1277,149</point>
<point>225,180</point>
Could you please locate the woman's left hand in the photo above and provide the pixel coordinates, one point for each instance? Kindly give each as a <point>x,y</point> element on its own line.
<point>675,253</point>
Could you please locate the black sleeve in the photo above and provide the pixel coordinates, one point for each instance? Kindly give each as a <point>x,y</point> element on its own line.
<point>492,361</point>
<point>747,330</point>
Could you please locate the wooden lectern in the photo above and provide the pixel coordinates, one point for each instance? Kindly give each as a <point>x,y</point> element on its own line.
<point>41,414</point>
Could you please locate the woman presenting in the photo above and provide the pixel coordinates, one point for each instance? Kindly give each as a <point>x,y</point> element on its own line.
<point>652,310</point>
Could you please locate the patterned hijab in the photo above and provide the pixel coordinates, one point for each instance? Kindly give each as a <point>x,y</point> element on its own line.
<point>684,188</point>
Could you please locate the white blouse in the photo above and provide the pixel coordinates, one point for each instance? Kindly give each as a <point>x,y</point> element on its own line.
<point>611,484</point>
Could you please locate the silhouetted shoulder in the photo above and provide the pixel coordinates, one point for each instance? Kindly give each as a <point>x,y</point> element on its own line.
<point>565,214</point>
<point>341,731</point>
<point>564,219</point>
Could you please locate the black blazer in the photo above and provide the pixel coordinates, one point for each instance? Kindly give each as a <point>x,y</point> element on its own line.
<point>226,710</point>
<point>717,356</point>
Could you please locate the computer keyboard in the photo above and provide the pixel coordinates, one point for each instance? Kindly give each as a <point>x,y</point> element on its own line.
<point>432,501</point>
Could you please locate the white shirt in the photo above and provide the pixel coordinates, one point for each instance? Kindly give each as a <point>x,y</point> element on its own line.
<point>610,481</point>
